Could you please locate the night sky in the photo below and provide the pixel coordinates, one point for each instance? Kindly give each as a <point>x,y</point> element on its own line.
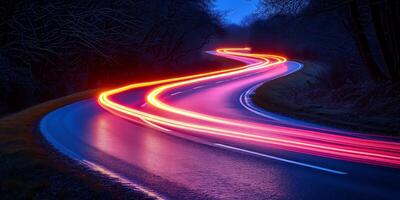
<point>235,10</point>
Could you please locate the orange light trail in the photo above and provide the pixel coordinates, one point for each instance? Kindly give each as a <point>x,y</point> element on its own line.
<point>293,139</point>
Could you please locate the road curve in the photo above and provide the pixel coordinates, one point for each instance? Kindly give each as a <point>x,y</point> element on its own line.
<point>200,137</point>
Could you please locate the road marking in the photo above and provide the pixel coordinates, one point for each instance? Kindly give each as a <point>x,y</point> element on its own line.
<point>220,81</point>
<point>121,179</point>
<point>281,159</point>
<point>143,105</point>
<point>173,94</point>
<point>198,87</point>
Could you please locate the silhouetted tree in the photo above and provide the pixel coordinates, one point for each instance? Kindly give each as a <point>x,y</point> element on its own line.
<point>361,38</point>
<point>365,19</point>
<point>65,45</point>
<point>386,20</point>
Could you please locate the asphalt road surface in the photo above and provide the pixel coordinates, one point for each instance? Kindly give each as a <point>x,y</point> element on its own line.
<point>202,138</point>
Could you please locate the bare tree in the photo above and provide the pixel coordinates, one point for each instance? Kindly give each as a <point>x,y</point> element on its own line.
<point>386,21</point>
<point>76,41</point>
<point>365,19</point>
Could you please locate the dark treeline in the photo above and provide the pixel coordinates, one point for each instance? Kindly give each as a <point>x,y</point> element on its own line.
<point>309,33</point>
<point>344,33</point>
<point>50,48</point>
<point>352,50</point>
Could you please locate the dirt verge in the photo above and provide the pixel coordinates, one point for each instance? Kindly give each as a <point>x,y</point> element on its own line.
<point>31,169</point>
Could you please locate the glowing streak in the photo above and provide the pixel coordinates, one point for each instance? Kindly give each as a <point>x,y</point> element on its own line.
<point>156,126</point>
<point>152,97</point>
<point>244,136</point>
<point>372,154</point>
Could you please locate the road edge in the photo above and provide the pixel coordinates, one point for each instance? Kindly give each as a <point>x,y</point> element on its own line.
<point>266,97</point>
<point>33,168</point>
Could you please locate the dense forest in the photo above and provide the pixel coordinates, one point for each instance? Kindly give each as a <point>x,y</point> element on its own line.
<point>52,48</point>
<point>356,43</point>
<point>360,32</point>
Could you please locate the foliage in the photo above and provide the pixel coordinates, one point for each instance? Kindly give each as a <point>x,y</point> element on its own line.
<point>373,26</point>
<point>62,46</point>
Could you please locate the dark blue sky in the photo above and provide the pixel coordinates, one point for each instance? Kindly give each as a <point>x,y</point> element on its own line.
<point>235,10</point>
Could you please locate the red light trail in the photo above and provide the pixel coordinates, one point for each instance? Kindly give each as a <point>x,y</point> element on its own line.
<point>162,114</point>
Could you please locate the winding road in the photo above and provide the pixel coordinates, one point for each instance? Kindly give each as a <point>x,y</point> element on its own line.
<point>200,137</point>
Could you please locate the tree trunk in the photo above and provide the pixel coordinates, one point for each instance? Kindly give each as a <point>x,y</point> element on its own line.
<point>386,23</point>
<point>362,43</point>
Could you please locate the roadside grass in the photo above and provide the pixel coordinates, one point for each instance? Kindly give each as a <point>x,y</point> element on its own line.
<point>356,107</point>
<point>31,169</point>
